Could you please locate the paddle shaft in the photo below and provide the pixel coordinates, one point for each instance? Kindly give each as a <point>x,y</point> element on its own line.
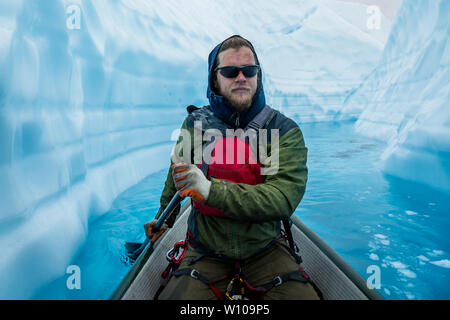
<point>168,211</point>
<point>156,228</point>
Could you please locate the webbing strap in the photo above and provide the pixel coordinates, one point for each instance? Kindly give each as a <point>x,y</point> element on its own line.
<point>198,276</point>
<point>260,119</point>
<point>297,275</point>
<point>292,246</point>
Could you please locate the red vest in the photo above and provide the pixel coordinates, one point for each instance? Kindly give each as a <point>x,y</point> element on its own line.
<point>240,168</point>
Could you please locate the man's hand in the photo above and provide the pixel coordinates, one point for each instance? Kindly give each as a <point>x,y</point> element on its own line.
<point>191,182</point>
<point>149,232</point>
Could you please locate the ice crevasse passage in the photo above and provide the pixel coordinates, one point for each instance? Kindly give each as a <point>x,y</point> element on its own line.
<point>88,107</point>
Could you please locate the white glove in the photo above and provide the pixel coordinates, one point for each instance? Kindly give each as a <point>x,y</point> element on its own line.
<point>191,182</point>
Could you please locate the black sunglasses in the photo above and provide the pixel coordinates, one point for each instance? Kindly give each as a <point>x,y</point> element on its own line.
<point>233,71</point>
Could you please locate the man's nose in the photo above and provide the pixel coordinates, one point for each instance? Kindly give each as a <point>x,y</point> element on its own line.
<point>240,77</point>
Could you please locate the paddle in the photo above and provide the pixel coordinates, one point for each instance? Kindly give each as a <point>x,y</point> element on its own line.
<point>134,249</point>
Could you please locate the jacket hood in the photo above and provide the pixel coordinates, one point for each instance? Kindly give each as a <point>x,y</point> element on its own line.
<point>222,108</point>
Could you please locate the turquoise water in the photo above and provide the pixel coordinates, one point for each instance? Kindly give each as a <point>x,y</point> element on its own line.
<point>367,217</point>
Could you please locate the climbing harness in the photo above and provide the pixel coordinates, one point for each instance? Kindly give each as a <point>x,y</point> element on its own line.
<point>238,288</point>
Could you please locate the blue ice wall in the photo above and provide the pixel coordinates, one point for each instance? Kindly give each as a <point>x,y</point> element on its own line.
<point>406,100</point>
<point>84,114</point>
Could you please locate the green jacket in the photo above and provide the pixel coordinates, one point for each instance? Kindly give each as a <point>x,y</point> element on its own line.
<point>254,211</point>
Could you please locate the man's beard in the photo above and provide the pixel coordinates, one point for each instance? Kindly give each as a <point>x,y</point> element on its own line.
<point>239,102</point>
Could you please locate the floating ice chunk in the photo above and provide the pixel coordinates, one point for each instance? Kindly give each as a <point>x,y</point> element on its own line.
<point>435,253</point>
<point>402,268</point>
<point>423,258</point>
<point>411,213</point>
<point>445,263</point>
<point>382,238</point>
<point>398,265</point>
<point>374,257</point>
<point>408,273</point>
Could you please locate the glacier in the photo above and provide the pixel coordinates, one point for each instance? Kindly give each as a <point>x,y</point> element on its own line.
<point>92,93</point>
<point>405,100</point>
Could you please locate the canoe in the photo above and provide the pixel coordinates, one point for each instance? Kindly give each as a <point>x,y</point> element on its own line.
<point>335,278</point>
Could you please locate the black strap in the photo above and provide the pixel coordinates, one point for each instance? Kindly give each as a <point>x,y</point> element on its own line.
<point>292,246</point>
<point>197,275</point>
<point>194,274</point>
<point>186,272</point>
<point>193,260</point>
<point>279,280</point>
<point>299,275</point>
<point>260,119</point>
